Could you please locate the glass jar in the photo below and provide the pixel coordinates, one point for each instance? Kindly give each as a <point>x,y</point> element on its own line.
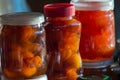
<point>97,43</point>
<point>62,41</point>
<point>23,46</point>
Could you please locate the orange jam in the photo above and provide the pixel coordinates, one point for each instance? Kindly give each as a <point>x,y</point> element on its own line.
<point>98,35</point>
<point>23,48</point>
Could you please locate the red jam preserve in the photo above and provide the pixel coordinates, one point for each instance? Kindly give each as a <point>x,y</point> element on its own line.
<point>97,43</point>
<point>62,41</point>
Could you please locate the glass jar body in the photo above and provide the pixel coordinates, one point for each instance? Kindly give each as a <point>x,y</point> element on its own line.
<point>23,50</point>
<point>98,33</point>
<point>62,41</point>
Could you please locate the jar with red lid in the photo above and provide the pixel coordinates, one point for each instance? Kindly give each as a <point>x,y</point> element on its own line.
<point>62,41</point>
<point>23,46</point>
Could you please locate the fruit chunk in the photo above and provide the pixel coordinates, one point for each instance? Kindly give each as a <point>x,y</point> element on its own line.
<point>28,71</point>
<point>37,61</point>
<point>72,74</point>
<point>71,41</point>
<point>74,61</point>
<point>26,33</point>
<point>65,54</point>
<point>27,54</point>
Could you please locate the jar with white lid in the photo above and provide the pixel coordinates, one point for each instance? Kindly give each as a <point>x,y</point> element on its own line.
<point>23,45</point>
<point>97,42</point>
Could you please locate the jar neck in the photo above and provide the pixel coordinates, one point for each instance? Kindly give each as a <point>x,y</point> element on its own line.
<point>58,18</point>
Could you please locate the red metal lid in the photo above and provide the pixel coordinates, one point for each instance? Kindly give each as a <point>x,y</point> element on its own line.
<point>59,10</point>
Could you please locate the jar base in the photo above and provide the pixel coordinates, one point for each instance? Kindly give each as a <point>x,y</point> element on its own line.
<point>42,77</point>
<point>95,77</point>
<point>100,64</point>
<point>109,72</point>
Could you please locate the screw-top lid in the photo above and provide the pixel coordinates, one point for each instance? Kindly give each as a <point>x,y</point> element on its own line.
<point>22,18</point>
<point>59,10</point>
<point>93,4</point>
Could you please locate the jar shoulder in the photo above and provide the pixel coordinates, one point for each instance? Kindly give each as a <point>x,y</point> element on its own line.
<point>67,22</point>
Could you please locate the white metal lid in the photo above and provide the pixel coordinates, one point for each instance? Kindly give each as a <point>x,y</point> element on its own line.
<point>93,4</point>
<point>22,18</point>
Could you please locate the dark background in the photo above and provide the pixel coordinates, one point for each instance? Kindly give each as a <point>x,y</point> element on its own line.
<point>37,5</point>
<point>117,18</point>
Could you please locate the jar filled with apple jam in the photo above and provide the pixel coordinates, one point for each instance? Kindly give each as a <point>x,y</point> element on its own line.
<point>23,45</point>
